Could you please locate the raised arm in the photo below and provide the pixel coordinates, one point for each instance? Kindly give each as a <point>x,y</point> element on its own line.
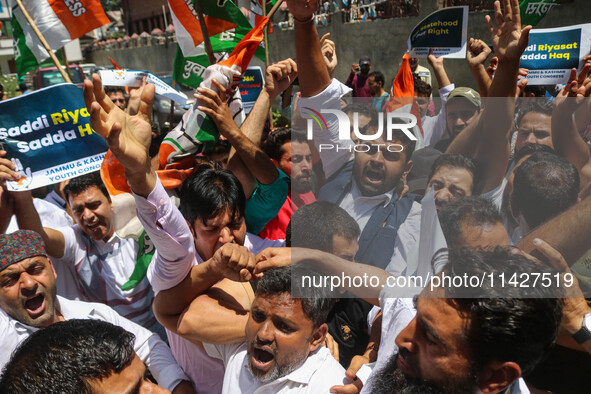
<point>436,64</point>
<point>312,70</point>
<point>21,204</point>
<point>128,136</point>
<point>488,139</point>
<point>565,135</point>
<point>172,306</point>
<point>476,55</point>
<point>255,160</point>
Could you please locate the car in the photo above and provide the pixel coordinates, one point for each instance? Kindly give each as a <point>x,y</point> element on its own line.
<point>49,76</point>
<point>161,113</point>
<point>88,69</point>
<point>161,110</point>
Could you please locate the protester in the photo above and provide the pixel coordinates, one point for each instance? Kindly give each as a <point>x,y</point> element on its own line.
<point>77,356</point>
<point>96,262</point>
<point>291,153</point>
<point>421,72</point>
<point>359,78</point>
<point>28,302</point>
<point>117,95</point>
<point>376,82</point>
<point>327,227</point>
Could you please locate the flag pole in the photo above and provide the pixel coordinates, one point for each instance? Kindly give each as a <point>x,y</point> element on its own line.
<point>266,41</point>
<point>206,41</point>
<point>275,8</point>
<point>66,63</point>
<point>43,41</point>
<point>269,15</point>
<point>171,116</point>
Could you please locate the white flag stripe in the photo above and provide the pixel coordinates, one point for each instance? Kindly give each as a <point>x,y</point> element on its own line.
<point>52,28</point>
<point>184,39</point>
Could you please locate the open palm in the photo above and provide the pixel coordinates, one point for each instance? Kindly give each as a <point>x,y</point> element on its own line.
<point>128,136</point>
<point>509,40</point>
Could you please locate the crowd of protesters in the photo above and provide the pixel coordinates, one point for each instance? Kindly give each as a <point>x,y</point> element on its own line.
<point>206,288</point>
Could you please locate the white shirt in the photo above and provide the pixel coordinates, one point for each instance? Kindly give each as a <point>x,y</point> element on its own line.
<point>174,258</point>
<point>101,268</point>
<point>51,216</point>
<point>148,346</point>
<point>316,375</point>
<point>329,98</point>
<point>361,207</point>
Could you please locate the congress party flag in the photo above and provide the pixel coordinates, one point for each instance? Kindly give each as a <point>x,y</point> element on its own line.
<point>552,53</point>
<point>48,136</point>
<point>189,70</point>
<point>533,11</point>
<point>59,22</point>
<point>444,31</point>
<point>219,17</point>
<point>25,59</point>
<point>197,132</point>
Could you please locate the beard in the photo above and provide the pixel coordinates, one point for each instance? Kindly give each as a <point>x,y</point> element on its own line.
<point>301,184</point>
<point>278,371</point>
<point>390,380</point>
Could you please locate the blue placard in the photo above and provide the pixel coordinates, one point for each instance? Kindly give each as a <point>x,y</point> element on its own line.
<point>443,30</point>
<point>47,134</point>
<point>250,87</point>
<point>552,53</point>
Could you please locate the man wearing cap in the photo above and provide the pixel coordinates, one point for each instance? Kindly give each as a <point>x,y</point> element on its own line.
<point>359,77</point>
<point>28,302</point>
<point>462,108</point>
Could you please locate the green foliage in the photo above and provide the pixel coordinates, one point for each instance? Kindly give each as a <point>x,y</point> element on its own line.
<point>111,5</point>
<point>10,83</point>
<point>279,120</point>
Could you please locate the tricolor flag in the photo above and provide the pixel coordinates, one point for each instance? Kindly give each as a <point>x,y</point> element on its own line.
<point>402,98</point>
<point>58,21</point>
<point>189,70</point>
<point>256,11</point>
<point>197,132</point>
<point>219,15</point>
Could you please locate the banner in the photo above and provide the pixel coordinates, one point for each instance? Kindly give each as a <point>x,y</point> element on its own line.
<point>133,78</point>
<point>59,22</point>
<point>533,11</point>
<point>444,31</point>
<point>552,53</point>
<point>47,134</point>
<point>250,87</point>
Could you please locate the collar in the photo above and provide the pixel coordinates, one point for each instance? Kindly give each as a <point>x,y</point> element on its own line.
<point>68,310</point>
<point>357,196</point>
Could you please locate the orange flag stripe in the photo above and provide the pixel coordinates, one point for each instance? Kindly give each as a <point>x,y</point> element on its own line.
<point>191,23</point>
<point>79,16</point>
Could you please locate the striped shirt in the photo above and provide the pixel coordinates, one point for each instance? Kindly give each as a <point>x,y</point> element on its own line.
<point>101,268</point>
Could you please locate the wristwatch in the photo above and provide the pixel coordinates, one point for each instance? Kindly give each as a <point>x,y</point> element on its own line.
<point>584,334</point>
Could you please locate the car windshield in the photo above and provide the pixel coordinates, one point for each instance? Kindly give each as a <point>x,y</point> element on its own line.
<point>53,77</point>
